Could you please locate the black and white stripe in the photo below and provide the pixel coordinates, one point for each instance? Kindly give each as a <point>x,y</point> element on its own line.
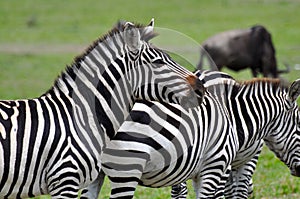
<point>52,144</point>
<point>265,112</point>
<point>163,144</point>
<point>240,184</point>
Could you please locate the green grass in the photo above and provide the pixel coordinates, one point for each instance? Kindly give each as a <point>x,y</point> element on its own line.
<point>54,24</point>
<point>273,180</point>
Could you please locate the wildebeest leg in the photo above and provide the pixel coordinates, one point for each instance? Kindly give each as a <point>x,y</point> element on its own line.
<point>254,72</point>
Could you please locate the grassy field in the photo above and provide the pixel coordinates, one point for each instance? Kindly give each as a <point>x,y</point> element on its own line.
<point>38,39</point>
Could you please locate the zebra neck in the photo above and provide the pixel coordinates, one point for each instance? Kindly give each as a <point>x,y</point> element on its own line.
<point>97,87</point>
<point>252,107</point>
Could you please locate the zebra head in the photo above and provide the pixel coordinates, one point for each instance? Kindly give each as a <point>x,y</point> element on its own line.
<point>151,71</point>
<point>284,141</point>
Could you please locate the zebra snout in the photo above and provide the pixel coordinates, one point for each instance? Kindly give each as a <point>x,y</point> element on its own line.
<point>296,171</point>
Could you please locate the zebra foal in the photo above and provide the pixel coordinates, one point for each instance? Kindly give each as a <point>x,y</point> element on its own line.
<point>52,144</point>
<point>162,145</point>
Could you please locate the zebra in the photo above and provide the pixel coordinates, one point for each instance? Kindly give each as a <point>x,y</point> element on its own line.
<point>52,144</point>
<point>160,144</point>
<point>206,78</point>
<point>239,184</point>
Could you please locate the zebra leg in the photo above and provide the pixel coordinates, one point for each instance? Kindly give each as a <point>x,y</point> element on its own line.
<point>221,187</point>
<point>211,185</point>
<point>92,191</point>
<point>242,177</point>
<point>123,187</point>
<point>237,186</point>
<point>123,178</point>
<point>250,188</point>
<point>179,191</point>
<point>64,177</point>
<point>241,185</point>
<point>124,174</point>
<point>230,186</point>
<point>62,180</point>
<point>62,188</point>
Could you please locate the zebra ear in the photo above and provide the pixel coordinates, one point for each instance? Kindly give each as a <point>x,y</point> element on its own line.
<point>132,36</point>
<point>148,31</point>
<point>151,24</point>
<point>294,90</point>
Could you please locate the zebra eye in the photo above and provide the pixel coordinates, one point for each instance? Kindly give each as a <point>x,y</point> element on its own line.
<point>158,61</point>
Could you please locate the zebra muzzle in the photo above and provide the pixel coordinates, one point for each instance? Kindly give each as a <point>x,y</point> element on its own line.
<point>296,171</point>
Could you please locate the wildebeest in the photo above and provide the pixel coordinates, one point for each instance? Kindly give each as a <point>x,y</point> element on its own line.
<point>240,49</point>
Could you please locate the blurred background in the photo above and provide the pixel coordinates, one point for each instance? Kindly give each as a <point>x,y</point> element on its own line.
<point>39,38</point>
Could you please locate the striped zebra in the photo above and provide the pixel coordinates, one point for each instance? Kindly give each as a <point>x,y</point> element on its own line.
<point>162,144</point>
<point>239,184</point>
<point>206,78</point>
<point>52,144</point>
<point>274,121</point>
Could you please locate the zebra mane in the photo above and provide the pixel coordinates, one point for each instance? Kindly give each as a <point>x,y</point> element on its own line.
<point>236,86</point>
<point>276,83</point>
<point>272,83</point>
